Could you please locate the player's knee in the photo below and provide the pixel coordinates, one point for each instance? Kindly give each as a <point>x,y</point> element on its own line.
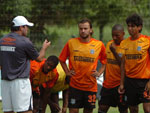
<point>123,109</point>
<point>146,110</point>
<point>133,109</point>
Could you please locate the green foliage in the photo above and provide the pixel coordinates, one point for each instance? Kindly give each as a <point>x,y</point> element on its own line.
<point>11,8</point>
<point>68,12</point>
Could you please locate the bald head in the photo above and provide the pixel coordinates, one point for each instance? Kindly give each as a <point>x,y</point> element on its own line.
<point>117,27</point>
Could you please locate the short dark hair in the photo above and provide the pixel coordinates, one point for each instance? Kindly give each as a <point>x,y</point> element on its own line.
<point>84,21</point>
<point>53,59</point>
<point>14,28</point>
<point>135,19</point>
<point>118,27</point>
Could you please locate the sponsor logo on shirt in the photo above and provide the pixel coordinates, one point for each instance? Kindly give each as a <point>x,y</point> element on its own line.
<point>83,59</point>
<point>7,48</point>
<point>8,41</point>
<point>133,56</point>
<point>112,61</point>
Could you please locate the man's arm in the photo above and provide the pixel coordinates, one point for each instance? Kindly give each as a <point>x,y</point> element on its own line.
<point>66,69</point>
<point>99,72</point>
<point>46,44</point>
<point>113,50</point>
<point>65,101</point>
<point>122,68</point>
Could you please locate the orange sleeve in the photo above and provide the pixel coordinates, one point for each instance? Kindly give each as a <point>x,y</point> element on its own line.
<point>102,55</point>
<point>65,53</point>
<point>33,68</point>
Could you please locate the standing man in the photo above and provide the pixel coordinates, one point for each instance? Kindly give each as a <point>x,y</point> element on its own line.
<point>16,50</point>
<point>135,66</point>
<point>83,53</point>
<point>109,93</point>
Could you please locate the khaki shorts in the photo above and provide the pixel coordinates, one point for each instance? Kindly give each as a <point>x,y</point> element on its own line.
<point>16,95</point>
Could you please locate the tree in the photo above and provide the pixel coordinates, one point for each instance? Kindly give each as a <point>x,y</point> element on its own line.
<point>11,8</point>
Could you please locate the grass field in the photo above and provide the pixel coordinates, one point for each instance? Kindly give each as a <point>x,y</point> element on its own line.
<point>111,110</point>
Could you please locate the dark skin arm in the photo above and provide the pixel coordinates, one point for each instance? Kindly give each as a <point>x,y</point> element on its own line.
<point>121,88</point>
<point>147,87</point>
<point>65,101</point>
<point>113,50</point>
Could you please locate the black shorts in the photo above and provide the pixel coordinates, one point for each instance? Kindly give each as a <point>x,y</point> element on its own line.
<point>111,97</point>
<point>134,89</point>
<point>35,95</point>
<point>81,99</point>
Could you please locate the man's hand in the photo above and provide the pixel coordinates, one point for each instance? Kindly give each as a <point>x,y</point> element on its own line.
<point>95,73</point>
<point>46,44</point>
<point>147,90</point>
<point>121,89</point>
<point>71,73</point>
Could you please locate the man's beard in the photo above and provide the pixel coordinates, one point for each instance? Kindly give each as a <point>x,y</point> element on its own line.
<point>84,37</point>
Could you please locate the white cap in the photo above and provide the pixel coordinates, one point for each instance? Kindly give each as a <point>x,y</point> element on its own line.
<point>21,21</point>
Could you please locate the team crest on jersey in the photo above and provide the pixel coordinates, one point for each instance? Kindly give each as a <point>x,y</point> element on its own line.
<point>139,48</point>
<point>92,51</point>
<point>120,54</point>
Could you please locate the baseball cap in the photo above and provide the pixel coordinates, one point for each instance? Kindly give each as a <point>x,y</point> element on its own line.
<point>21,21</point>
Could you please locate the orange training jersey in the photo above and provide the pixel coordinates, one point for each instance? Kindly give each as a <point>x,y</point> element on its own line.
<point>83,58</point>
<point>37,77</point>
<point>112,73</point>
<point>137,59</point>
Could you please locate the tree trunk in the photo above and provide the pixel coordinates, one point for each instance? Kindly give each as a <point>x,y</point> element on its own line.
<point>101,27</point>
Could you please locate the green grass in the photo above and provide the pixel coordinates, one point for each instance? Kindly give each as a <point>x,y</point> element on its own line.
<point>111,110</point>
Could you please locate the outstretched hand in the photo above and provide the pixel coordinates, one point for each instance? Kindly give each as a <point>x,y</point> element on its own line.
<point>46,44</point>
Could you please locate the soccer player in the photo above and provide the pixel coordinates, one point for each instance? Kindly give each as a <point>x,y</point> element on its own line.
<point>135,66</point>
<point>16,51</point>
<point>47,80</point>
<point>109,93</point>
<point>83,53</point>
<point>43,75</point>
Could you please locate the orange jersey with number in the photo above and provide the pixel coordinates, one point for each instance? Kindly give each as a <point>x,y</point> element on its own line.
<point>112,73</point>
<point>83,58</point>
<point>137,59</point>
<point>37,77</point>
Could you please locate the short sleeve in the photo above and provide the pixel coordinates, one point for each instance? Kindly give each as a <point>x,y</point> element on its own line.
<point>102,55</point>
<point>65,53</point>
<point>30,50</point>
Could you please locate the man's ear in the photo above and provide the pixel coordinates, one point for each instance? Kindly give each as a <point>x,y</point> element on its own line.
<point>91,31</point>
<point>140,28</point>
